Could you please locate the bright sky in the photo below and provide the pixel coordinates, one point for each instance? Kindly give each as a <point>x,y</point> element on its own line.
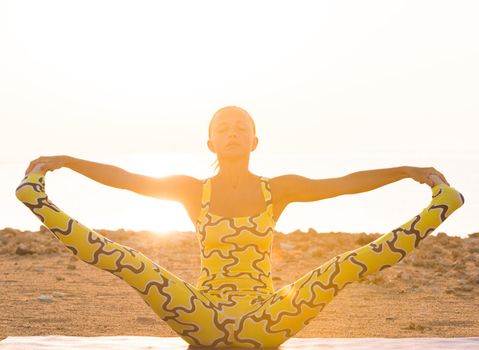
<point>97,77</point>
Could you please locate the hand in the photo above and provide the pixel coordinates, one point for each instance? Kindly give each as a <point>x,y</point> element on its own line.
<point>44,164</point>
<point>426,175</point>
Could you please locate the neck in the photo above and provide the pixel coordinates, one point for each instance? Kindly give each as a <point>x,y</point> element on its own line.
<point>234,173</point>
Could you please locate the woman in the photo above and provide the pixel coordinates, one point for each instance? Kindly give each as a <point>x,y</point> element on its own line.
<point>233,303</point>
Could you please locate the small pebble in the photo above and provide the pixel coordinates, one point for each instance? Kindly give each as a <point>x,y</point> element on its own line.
<point>475,279</point>
<point>145,319</point>
<point>46,298</point>
<point>464,288</point>
<point>415,326</point>
<point>22,249</point>
<point>286,245</point>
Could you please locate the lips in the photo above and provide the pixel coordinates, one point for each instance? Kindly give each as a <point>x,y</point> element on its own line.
<point>232,144</point>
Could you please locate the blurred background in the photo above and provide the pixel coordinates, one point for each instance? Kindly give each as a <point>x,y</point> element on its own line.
<point>333,87</point>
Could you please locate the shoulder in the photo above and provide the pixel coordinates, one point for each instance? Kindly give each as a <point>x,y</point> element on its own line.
<point>279,186</point>
<point>281,181</point>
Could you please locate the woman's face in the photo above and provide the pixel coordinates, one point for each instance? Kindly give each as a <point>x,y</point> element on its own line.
<point>232,133</point>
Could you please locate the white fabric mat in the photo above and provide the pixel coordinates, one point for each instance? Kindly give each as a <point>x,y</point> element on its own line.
<point>56,342</point>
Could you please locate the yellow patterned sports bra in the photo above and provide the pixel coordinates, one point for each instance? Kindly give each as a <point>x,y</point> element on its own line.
<point>235,251</point>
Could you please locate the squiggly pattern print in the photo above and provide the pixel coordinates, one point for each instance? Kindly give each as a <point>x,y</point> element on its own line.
<point>234,303</point>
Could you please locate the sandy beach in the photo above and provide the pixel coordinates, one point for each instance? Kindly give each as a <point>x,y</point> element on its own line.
<point>45,289</point>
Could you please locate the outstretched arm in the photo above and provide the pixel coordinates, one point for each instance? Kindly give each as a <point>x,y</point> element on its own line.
<point>296,188</point>
<point>172,187</point>
<point>367,180</point>
<point>106,174</point>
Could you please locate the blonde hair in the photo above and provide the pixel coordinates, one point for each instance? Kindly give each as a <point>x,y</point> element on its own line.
<point>216,113</point>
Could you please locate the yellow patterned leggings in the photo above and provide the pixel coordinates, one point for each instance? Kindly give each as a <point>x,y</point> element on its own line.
<point>194,316</point>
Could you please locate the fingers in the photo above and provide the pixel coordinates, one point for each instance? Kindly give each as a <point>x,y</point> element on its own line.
<point>33,169</point>
<point>441,176</point>
<point>436,180</point>
<point>28,169</point>
<point>33,163</point>
<point>35,166</point>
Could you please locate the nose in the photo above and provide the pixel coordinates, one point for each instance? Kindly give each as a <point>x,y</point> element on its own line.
<point>232,138</point>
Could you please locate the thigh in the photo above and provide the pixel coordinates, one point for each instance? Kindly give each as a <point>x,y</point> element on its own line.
<point>292,307</point>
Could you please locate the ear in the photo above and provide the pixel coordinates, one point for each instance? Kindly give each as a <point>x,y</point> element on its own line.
<point>210,146</point>
<point>255,143</point>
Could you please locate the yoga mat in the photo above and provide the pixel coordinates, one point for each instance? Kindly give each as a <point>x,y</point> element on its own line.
<point>174,343</point>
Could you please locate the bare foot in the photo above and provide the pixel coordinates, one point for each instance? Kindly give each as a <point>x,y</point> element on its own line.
<point>436,179</point>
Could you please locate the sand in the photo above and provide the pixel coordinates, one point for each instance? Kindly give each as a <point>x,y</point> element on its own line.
<point>431,293</point>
